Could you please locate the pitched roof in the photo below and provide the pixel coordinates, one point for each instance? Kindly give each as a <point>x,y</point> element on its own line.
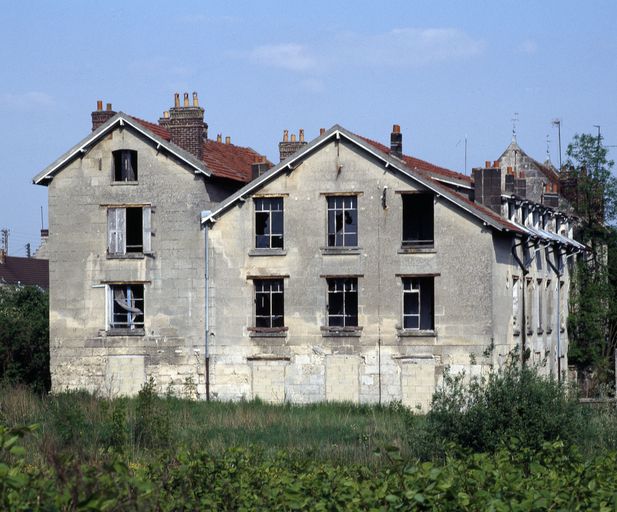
<point>224,160</point>
<point>545,168</point>
<point>423,166</point>
<point>24,271</point>
<point>423,177</point>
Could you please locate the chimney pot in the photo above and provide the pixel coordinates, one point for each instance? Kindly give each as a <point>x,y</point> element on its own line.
<point>166,114</point>
<point>487,164</point>
<point>396,128</point>
<point>496,164</point>
<point>293,137</point>
<point>509,170</point>
<point>109,109</point>
<point>186,99</point>
<point>177,100</point>
<point>219,137</point>
<point>99,105</point>
<point>228,140</point>
<point>322,131</point>
<point>301,135</point>
<point>396,141</point>
<point>285,136</point>
<point>195,100</point>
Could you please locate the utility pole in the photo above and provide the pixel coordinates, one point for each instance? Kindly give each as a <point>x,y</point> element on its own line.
<point>557,123</point>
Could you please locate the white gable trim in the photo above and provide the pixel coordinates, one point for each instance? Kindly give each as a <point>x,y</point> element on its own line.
<point>120,119</point>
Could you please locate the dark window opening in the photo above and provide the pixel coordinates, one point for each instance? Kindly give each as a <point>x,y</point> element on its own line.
<point>269,303</point>
<point>342,221</point>
<point>125,165</point>
<point>134,230</point>
<point>126,309</point>
<point>343,302</point>
<point>269,223</point>
<point>418,303</point>
<point>418,220</point>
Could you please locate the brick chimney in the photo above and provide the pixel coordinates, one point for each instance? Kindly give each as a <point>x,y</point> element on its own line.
<point>186,124</point>
<point>100,116</point>
<point>288,147</point>
<point>488,186</point>
<point>2,256</point>
<point>396,142</point>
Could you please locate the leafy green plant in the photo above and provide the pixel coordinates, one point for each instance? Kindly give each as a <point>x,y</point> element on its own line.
<point>152,420</point>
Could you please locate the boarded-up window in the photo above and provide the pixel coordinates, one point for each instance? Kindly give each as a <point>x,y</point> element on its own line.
<point>129,230</point>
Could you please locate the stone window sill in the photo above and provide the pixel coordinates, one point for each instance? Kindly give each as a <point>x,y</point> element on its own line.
<point>267,252</point>
<point>268,332</point>
<point>416,333</point>
<point>125,332</point>
<point>124,183</point>
<point>128,256</point>
<point>336,251</point>
<point>417,250</point>
<point>341,332</point>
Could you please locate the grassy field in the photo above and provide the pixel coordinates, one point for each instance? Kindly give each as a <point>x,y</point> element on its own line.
<point>79,422</point>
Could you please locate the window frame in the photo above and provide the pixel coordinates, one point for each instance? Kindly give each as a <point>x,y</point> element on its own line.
<point>118,231</point>
<point>135,297</point>
<point>119,158</point>
<point>269,293</point>
<point>349,318</point>
<point>258,202</point>
<point>423,287</point>
<point>333,237</point>
<point>407,203</point>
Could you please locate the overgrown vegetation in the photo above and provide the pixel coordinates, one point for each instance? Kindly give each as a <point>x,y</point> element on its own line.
<point>24,337</point>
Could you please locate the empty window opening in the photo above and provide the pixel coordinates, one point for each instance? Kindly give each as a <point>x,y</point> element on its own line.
<point>343,302</point>
<point>269,303</point>
<point>516,305</point>
<point>418,220</point>
<point>125,165</point>
<point>342,221</point>
<point>128,230</point>
<point>126,306</point>
<point>269,223</point>
<point>539,296</point>
<point>418,301</point>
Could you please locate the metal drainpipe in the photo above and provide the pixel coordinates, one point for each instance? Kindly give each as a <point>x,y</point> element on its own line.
<point>205,214</point>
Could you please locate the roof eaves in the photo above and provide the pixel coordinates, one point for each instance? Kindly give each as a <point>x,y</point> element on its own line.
<point>120,118</point>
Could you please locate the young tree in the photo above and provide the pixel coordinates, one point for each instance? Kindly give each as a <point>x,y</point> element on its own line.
<point>593,311</point>
<point>24,337</point>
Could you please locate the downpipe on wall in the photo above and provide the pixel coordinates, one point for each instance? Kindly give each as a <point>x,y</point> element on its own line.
<point>204,215</point>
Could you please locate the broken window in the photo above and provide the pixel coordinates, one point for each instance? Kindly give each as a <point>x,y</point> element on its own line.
<point>269,303</point>
<point>125,165</point>
<point>418,298</point>
<point>539,296</point>
<point>342,221</point>
<point>269,223</point>
<point>549,306</point>
<point>516,305</point>
<point>418,220</point>
<point>128,230</point>
<point>343,302</point>
<point>125,306</point>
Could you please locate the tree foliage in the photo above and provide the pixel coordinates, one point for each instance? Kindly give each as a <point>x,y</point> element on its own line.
<point>593,305</point>
<point>24,336</point>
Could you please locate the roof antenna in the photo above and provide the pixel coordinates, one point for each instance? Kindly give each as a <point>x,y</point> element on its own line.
<point>42,226</point>
<point>514,126</point>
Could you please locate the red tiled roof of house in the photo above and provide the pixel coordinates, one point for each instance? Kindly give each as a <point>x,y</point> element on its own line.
<point>420,165</point>
<point>24,271</point>
<point>224,160</point>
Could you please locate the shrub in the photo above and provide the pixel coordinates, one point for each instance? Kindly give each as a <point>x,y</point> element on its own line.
<point>512,403</point>
<point>152,421</point>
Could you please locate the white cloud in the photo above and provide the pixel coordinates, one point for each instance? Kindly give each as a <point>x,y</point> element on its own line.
<point>404,47</point>
<point>31,100</point>
<point>290,56</point>
<point>528,46</point>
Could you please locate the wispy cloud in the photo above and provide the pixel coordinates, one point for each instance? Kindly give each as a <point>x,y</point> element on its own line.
<point>27,101</point>
<point>412,47</point>
<point>528,46</point>
<point>290,56</point>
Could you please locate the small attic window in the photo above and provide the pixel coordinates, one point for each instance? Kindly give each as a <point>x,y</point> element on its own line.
<point>125,165</point>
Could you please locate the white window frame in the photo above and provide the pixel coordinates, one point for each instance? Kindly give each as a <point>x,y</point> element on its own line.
<point>116,230</point>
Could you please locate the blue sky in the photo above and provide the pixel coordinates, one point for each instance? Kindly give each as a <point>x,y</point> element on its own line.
<point>442,70</point>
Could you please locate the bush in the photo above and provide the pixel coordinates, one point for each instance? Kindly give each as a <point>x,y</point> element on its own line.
<point>513,403</point>
<point>152,421</point>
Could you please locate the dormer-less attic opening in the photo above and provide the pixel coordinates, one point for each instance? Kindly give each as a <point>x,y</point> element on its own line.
<point>125,165</point>
<point>418,225</point>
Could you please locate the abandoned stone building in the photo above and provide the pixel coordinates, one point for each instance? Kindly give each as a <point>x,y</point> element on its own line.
<point>349,271</point>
